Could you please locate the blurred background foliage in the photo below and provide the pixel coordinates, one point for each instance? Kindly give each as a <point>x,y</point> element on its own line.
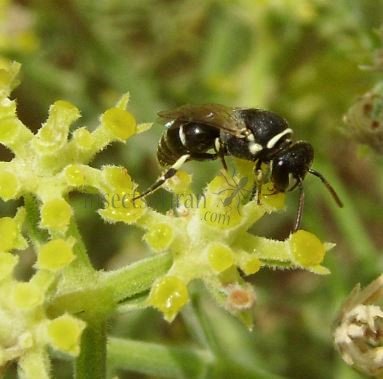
<point>299,58</point>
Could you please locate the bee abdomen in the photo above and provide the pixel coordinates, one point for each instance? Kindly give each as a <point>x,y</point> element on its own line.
<point>170,148</point>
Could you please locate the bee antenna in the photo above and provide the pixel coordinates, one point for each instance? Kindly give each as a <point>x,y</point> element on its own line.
<point>328,186</point>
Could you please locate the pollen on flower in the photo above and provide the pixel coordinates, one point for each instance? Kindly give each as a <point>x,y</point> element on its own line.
<point>9,185</point>
<point>169,294</point>
<point>56,214</point>
<point>306,248</point>
<point>159,237</point>
<point>64,334</point>
<point>8,231</point>
<point>26,295</point>
<point>55,255</point>
<point>119,122</point>
<point>220,256</point>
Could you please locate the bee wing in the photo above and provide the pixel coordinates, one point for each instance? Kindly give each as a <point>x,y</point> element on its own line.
<point>215,115</point>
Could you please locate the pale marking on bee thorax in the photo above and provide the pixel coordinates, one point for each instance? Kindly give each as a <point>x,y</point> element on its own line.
<point>273,141</point>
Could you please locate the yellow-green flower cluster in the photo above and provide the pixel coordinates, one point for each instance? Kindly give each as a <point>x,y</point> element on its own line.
<point>209,240</point>
<point>25,329</point>
<point>206,236</point>
<point>47,166</point>
<point>52,163</point>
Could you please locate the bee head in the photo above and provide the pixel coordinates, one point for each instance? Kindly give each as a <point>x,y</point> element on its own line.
<point>291,163</point>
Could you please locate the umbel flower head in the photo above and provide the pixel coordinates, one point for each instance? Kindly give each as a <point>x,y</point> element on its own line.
<point>46,167</point>
<point>209,240</point>
<point>25,329</point>
<point>206,235</point>
<point>359,329</point>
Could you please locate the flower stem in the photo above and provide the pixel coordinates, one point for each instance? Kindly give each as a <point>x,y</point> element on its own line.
<point>91,363</point>
<point>158,360</point>
<point>33,219</point>
<point>109,289</point>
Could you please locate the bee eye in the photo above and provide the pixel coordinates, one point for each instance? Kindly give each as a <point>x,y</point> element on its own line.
<point>280,175</point>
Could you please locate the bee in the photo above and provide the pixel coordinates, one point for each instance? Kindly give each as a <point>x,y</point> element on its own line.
<point>213,131</point>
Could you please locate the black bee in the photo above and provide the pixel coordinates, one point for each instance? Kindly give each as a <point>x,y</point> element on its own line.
<point>213,131</point>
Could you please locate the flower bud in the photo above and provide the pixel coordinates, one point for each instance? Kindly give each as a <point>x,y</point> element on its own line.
<point>9,233</point>
<point>26,295</point>
<point>55,255</point>
<point>220,256</point>
<point>83,139</point>
<point>64,334</point>
<point>9,185</point>
<point>53,135</point>
<point>120,123</point>
<point>169,294</point>
<point>159,237</point>
<point>56,214</point>
<point>306,248</point>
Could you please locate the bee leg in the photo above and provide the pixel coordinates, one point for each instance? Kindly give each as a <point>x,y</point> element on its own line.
<point>164,177</point>
<point>300,206</point>
<point>219,149</point>
<point>257,188</point>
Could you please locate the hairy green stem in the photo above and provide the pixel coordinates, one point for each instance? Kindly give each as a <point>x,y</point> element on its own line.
<point>91,363</point>
<point>109,289</point>
<point>82,263</point>
<point>33,219</point>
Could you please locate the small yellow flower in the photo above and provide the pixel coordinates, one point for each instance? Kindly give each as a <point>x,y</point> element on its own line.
<point>9,185</point>
<point>120,123</point>
<point>7,264</point>
<point>26,295</point>
<point>83,139</point>
<point>56,214</point>
<point>169,294</point>
<point>8,232</point>
<point>249,263</point>
<point>64,334</point>
<point>159,237</point>
<point>55,255</point>
<point>306,248</point>
<point>220,256</point>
